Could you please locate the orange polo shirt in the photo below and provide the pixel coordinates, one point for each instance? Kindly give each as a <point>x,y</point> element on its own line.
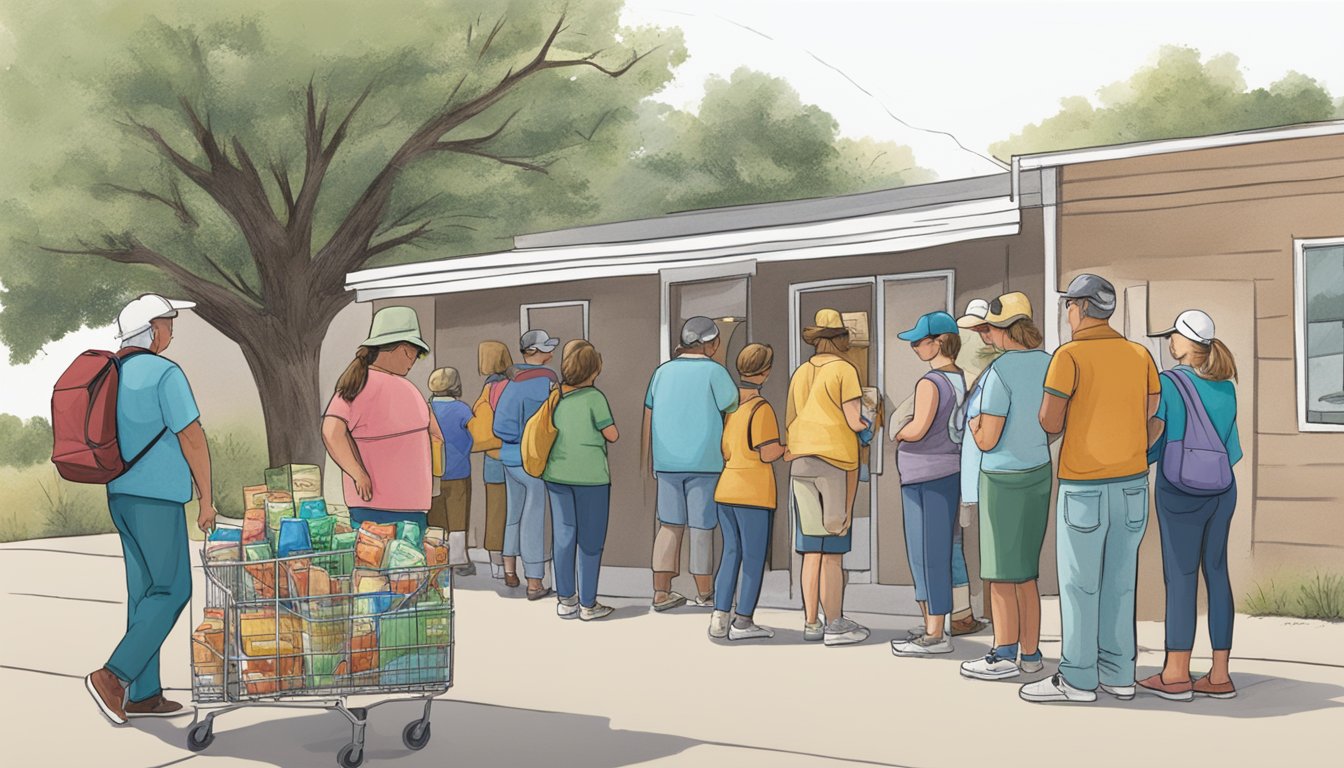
<point>1107,380</point>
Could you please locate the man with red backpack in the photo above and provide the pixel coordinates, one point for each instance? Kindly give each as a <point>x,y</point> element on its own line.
<point>159,433</point>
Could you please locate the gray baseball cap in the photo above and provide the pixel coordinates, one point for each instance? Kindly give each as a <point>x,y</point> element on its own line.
<point>698,330</point>
<point>539,340</point>
<point>1095,288</point>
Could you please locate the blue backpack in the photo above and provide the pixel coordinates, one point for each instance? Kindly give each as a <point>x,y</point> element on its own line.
<point>1198,464</point>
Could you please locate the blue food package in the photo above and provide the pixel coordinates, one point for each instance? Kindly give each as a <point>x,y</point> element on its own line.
<point>312,508</point>
<point>227,534</point>
<point>294,537</point>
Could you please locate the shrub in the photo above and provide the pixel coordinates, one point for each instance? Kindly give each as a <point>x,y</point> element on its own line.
<point>238,459</point>
<point>1317,596</point>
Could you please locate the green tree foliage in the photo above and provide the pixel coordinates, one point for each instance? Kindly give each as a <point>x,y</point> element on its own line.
<point>1178,96</point>
<point>23,444</point>
<point>248,155</point>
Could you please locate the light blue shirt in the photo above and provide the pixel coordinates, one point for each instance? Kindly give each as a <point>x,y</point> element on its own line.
<point>154,394</point>
<point>689,397</point>
<point>1013,388</point>
<point>1220,401</point>
<point>970,452</point>
<point>519,402</point>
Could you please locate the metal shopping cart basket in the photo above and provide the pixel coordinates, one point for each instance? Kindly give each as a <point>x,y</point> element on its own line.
<point>312,630</point>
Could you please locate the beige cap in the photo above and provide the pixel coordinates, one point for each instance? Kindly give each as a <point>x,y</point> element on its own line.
<point>828,318</point>
<point>1008,309</point>
<point>445,380</point>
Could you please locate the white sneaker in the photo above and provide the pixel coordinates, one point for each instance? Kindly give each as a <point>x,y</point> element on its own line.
<point>1121,692</point>
<point>1031,667</point>
<point>844,631</point>
<point>718,625</point>
<point>567,608</point>
<point>991,667</point>
<point>704,601</point>
<point>598,611</point>
<point>924,646</point>
<point>1055,689</point>
<point>814,632</point>
<point>750,632</point>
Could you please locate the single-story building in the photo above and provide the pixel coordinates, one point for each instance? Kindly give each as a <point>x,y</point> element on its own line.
<point>1249,226</point>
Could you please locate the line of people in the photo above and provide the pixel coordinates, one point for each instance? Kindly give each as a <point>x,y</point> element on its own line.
<point>970,450</point>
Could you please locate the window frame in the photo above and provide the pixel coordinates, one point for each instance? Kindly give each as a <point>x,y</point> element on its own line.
<point>523,309</point>
<point>1300,246</point>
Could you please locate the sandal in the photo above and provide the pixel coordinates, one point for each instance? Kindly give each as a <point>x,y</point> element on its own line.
<point>511,580</point>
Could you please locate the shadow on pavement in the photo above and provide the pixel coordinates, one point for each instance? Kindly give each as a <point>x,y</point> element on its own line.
<point>462,733</point>
<point>1258,697</point>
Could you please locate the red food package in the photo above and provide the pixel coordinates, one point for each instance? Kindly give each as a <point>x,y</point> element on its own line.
<point>254,526</point>
<point>387,531</point>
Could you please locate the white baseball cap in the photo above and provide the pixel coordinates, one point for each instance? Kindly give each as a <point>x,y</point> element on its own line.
<point>976,312</point>
<point>150,306</point>
<point>1193,324</point>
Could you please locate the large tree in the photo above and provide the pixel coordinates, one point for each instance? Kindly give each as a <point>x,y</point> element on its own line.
<point>1178,95</point>
<point>249,157</point>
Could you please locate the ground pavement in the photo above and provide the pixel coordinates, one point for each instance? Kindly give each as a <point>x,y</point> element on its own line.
<point>642,689</point>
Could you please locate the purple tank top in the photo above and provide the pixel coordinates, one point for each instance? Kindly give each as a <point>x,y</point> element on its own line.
<point>935,456</point>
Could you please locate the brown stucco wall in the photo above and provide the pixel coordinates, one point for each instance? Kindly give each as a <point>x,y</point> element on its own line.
<point>1215,229</point>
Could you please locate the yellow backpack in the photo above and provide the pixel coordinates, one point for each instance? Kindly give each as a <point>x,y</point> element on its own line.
<point>539,436</point>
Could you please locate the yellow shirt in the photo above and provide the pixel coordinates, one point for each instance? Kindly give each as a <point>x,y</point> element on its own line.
<point>815,419</point>
<point>1107,380</point>
<point>747,481</point>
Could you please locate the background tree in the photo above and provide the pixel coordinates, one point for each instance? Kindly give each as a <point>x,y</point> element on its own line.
<point>1179,95</point>
<point>249,155</point>
<point>24,443</point>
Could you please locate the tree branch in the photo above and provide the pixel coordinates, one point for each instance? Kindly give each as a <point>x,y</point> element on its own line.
<point>178,207</point>
<point>281,174</point>
<point>498,26</point>
<point>517,162</point>
<point>387,245</point>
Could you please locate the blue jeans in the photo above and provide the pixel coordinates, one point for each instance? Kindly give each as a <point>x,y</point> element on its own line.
<point>930,513</point>
<point>1097,540</point>
<point>687,498</point>
<point>359,515</point>
<point>525,526</point>
<point>1194,536</point>
<point>158,586</point>
<point>960,577</point>
<point>579,516</point>
<point>746,534</point>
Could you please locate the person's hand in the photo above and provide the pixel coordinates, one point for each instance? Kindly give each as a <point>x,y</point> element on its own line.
<point>363,485</point>
<point>866,435</point>
<point>205,520</point>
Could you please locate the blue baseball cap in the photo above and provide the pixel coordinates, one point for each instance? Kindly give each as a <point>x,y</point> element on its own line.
<point>932,324</point>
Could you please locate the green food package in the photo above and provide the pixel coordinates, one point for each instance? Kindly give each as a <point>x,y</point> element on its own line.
<point>407,631</point>
<point>322,531</point>
<point>258,551</point>
<point>302,480</point>
<point>277,511</point>
<point>320,669</point>
<point>411,533</point>
<point>403,554</point>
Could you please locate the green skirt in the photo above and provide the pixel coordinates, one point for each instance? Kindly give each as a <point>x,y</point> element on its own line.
<point>1014,510</point>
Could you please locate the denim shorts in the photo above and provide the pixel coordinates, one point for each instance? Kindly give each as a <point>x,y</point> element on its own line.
<point>687,498</point>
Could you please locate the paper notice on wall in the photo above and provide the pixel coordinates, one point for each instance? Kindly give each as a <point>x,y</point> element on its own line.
<point>857,323</point>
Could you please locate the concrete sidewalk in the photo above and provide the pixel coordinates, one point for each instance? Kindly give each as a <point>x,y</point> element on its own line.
<point>641,689</point>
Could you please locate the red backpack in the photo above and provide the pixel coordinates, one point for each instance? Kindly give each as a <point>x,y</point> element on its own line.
<point>84,419</point>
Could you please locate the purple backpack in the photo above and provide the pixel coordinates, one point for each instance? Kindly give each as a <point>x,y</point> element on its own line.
<point>1198,464</point>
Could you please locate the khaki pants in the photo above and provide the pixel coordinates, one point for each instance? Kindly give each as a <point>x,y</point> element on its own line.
<point>451,509</point>
<point>496,514</point>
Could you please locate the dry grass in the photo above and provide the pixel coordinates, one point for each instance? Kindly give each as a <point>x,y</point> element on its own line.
<point>1316,596</point>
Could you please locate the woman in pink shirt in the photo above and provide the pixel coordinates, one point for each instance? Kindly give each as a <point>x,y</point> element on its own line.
<point>378,427</point>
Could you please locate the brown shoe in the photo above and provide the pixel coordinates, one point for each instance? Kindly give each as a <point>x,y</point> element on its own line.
<point>538,593</point>
<point>108,694</point>
<point>156,706</point>
<point>1169,691</point>
<point>967,626</point>
<point>1215,690</point>
<point>511,580</point>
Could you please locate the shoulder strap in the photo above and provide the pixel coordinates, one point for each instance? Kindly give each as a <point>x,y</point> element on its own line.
<point>1198,425</point>
<point>119,359</point>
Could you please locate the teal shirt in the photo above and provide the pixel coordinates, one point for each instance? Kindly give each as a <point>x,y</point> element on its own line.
<point>1013,388</point>
<point>579,456</point>
<point>1220,400</point>
<point>154,394</point>
<point>689,397</point>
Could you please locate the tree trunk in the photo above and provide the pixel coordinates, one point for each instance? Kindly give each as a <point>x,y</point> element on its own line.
<point>285,364</point>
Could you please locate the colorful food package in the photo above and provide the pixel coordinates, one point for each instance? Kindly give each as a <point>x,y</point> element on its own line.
<point>435,535</point>
<point>309,580</point>
<point>364,651</point>
<point>410,532</point>
<point>264,570</point>
<point>226,534</point>
<point>343,525</point>
<point>436,557</point>
<point>254,497</point>
<point>258,626</point>
<point>343,540</point>
<point>293,538</point>
<point>320,531</point>
<point>406,583</point>
<point>304,481</point>
<point>254,526</point>
<point>278,666</point>
<point>223,551</point>
<point>207,644</point>
<point>312,508</point>
<point>385,531</point>
<point>278,509</point>
<point>370,549</point>
<point>404,554</point>
<point>408,630</point>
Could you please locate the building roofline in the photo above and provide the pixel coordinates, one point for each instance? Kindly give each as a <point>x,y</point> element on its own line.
<point>1166,146</point>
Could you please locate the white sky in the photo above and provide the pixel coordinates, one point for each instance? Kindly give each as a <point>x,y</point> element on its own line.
<point>978,70</point>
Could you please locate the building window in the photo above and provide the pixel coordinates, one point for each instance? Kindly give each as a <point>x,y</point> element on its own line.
<point>563,320</point>
<point>723,300</point>
<point>1319,280</point>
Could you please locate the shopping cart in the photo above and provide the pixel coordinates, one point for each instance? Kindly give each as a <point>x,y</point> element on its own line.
<point>312,630</point>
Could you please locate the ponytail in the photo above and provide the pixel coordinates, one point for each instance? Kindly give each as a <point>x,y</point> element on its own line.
<point>1218,364</point>
<point>356,373</point>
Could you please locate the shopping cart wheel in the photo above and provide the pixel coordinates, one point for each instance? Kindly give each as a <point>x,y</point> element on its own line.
<point>351,756</point>
<point>200,736</point>
<point>416,734</point>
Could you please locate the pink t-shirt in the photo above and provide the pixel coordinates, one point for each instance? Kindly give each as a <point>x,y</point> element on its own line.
<point>389,421</point>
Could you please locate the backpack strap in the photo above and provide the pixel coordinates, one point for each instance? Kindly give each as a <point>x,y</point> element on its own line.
<point>119,359</point>
<point>1196,415</point>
